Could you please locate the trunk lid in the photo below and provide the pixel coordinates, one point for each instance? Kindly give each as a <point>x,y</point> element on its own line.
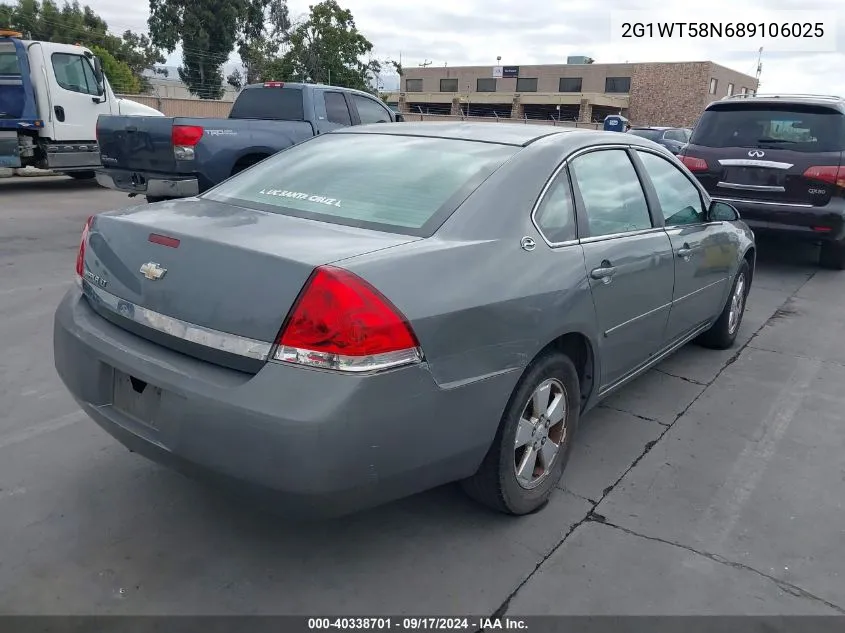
<point>234,270</point>
<point>139,143</point>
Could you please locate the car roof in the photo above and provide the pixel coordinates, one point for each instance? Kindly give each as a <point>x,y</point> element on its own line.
<point>831,101</point>
<point>519,134</point>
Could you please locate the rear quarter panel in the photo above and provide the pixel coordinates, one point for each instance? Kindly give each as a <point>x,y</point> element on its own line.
<point>479,303</point>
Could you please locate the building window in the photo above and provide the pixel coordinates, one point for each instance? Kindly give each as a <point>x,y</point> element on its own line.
<point>617,84</point>
<point>413,85</point>
<point>569,84</point>
<point>730,90</point>
<point>448,85</point>
<point>526,84</point>
<point>486,85</point>
<point>743,91</point>
<point>714,85</point>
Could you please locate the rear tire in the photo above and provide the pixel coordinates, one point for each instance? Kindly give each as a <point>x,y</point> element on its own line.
<point>542,414</point>
<point>82,175</point>
<point>832,255</point>
<point>723,332</point>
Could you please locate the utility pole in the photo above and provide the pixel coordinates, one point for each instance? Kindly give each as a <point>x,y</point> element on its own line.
<point>425,64</point>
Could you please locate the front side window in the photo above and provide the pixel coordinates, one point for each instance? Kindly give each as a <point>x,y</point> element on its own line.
<point>74,73</point>
<point>370,111</point>
<point>400,184</point>
<point>555,217</point>
<point>679,199</point>
<point>613,197</point>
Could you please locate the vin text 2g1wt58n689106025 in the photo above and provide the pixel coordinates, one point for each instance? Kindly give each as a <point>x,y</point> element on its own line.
<point>166,158</point>
<point>780,160</point>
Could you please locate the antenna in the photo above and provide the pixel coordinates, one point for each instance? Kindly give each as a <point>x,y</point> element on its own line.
<point>425,64</point>
<point>759,67</point>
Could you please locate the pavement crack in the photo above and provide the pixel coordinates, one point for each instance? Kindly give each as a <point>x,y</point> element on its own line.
<point>685,379</point>
<point>788,587</point>
<point>631,413</point>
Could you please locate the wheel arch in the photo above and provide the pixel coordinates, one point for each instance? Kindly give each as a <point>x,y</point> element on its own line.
<point>581,350</point>
<point>249,157</point>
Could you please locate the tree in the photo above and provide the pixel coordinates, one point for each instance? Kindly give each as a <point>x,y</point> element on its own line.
<point>72,24</point>
<point>328,48</point>
<point>120,75</point>
<point>209,30</point>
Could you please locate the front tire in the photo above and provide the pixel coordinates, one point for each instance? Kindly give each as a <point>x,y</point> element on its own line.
<point>529,453</point>
<point>832,255</point>
<point>723,332</point>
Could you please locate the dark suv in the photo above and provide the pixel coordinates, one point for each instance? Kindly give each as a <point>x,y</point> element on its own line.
<point>780,160</point>
<point>672,138</point>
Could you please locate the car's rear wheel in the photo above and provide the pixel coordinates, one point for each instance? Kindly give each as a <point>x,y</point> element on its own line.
<point>534,439</point>
<point>832,255</point>
<point>723,332</point>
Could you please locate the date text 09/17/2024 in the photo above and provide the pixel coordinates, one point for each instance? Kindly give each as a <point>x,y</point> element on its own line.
<point>418,623</point>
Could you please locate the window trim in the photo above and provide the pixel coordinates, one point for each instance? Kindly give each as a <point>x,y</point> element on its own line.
<point>84,61</point>
<point>651,190</point>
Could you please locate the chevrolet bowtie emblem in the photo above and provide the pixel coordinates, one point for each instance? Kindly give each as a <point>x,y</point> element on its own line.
<point>153,271</point>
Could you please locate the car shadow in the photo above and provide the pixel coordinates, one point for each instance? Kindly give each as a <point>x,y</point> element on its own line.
<point>42,184</point>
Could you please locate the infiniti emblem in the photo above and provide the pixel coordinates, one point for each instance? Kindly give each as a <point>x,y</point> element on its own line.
<point>756,153</point>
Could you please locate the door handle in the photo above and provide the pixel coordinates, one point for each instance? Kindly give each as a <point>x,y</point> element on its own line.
<point>603,273</point>
<point>60,113</point>
<point>685,252</point>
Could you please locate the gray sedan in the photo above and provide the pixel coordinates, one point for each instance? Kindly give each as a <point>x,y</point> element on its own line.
<point>385,309</point>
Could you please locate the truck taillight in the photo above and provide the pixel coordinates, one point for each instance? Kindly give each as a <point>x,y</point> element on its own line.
<point>341,322</point>
<point>833,175</point>
<point>184,139</point>
<point>83,242</point>
<point>274,84</point>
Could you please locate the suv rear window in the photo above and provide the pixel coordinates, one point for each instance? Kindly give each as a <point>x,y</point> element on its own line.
<point>398,184</point>
<point>274,104</point>
<point>9,60</point>
<point>801,128</point>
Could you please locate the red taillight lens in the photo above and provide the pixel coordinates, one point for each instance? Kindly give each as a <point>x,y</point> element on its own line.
<point>80,254</point>
<point>828,174</point>
<point>694,164</point>
<point>274,84</point>
<point>186,135</point>
<point>341,322</point>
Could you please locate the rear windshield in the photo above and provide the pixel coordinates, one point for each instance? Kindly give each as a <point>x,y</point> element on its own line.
<point>797,128</point>
<point>9,60</point>
<point>274,104</point>
<point>399,184</point>
<point>651,135</point>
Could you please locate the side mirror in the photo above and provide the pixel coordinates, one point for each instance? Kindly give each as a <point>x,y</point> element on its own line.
<point>400,117</point>
<point>722,212</point>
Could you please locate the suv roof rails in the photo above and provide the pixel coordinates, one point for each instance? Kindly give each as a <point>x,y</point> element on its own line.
<point>750,95</point>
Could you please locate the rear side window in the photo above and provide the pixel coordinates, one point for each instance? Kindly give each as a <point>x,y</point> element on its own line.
<point>794,127</point>
<point>336,108</point>
<point>275,104</point>
<point>399,184</point>
<point>9,60</point>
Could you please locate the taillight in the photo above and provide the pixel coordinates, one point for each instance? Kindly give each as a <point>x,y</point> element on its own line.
<point>274,84</point>
<point>829,174</point>
<point>184,139</point>
<point>339,321</point>
<point>83,242</point>
<point>694,164</point>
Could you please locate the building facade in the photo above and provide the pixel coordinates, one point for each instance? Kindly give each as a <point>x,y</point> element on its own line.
<point>670,94</point>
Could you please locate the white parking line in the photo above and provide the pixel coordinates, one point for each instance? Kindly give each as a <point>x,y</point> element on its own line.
<point>42,427</point>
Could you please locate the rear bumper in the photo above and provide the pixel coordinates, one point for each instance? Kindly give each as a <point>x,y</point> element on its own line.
<point>315,442</point>
<point>803,222</point>
<point>148,184</point>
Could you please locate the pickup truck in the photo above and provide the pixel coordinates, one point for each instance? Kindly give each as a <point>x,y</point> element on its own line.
<point>164,158</point>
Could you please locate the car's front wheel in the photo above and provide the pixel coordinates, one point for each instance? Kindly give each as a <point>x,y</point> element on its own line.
<point>832,255</point>
<point>534,439</point>
<point>723,332</point>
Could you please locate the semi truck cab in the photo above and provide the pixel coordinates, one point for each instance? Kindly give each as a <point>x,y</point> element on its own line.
<point>51,96</point>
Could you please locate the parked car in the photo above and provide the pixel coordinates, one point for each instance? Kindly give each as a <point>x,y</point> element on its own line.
<point>780,159</point>
<point>165,158</point>
<point>384,309</point>
<point>672,138</point>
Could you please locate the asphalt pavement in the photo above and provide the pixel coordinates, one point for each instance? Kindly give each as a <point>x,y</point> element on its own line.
<point>712,485</point>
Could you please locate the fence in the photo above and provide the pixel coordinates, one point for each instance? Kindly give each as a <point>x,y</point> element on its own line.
<point>220,109</point>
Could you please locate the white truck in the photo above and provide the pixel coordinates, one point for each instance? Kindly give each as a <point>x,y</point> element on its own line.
<point>51,96</point>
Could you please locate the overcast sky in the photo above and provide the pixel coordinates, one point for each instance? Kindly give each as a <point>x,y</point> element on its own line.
<point>535,32</point>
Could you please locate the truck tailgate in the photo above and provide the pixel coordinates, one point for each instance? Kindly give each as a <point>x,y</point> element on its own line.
<point>137,143</point>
